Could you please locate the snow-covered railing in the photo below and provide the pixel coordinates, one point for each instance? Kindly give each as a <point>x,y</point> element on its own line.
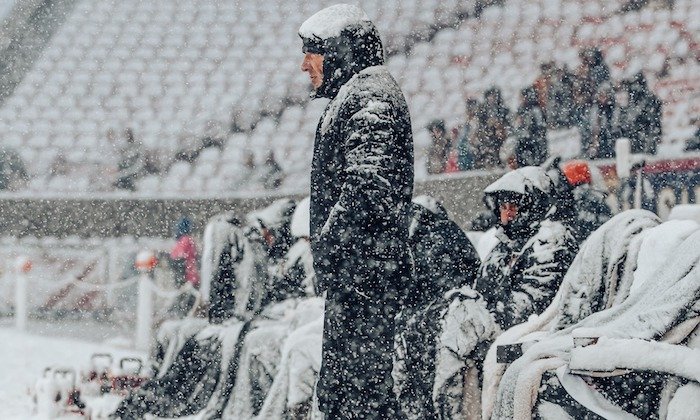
<point>56,277</point>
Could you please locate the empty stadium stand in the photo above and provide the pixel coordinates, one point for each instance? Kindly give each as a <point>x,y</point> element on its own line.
<point>171,70</point>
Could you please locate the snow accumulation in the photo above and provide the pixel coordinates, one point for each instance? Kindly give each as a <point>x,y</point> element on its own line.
<point>329,22</point>
<point>429,203</point>
<point>685,212</point>
<point>23,358</point>
<point>517,181</point>
<point>301,219</point>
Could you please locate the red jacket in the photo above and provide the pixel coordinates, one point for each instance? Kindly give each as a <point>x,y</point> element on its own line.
<point>187,250</point>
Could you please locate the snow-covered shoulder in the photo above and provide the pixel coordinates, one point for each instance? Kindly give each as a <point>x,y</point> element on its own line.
<point>329,22</point>
<point>366,91</point>
<point>552,236</point>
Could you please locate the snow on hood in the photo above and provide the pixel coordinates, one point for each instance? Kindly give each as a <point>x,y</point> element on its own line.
<point>218,233</point>
<point>329,22</point>
<point>275,215</point>
<point>301,219</point>
<point>522,179</point>
<point>429,203</point>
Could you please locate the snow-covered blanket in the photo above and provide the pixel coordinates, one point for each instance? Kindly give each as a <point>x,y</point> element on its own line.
<point>466,326</point>
<point>600,276</point>
<point>662,306</point>
<point>261,356</point>
<point>293,386</point>
<point>200,377</point>
<point>171,337</point>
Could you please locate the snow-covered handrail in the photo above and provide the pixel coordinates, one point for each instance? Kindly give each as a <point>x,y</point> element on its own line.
<point>163,293</point>
<point>611,354</point>
<point>85,285</point>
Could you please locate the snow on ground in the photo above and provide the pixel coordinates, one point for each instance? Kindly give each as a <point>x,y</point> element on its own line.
<point>23,357</point>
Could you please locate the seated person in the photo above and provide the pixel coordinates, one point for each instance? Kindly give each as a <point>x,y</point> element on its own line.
<point>444,259</point>
<point>617,363</point>
<point>523,272</point>
<point>518,278</point>
<point>200,375</point>
<point>262,350</point>
<point>600,277</point>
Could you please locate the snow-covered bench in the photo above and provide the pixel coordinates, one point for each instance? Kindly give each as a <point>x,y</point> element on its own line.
<point>658,317</point>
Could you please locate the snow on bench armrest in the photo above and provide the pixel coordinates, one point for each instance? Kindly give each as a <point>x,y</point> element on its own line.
<point>613,356</point>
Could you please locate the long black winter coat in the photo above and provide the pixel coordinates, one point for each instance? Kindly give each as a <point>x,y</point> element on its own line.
<point>361,187</point>
<point>444,259</point>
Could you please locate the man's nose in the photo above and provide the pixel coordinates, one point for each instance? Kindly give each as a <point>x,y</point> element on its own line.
<point>304,65</point>
<point>504,216</point>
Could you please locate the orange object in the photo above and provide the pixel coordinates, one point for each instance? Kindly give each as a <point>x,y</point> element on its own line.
<point>577,172</point>
<point>146,261</point>
<point>26,266</point>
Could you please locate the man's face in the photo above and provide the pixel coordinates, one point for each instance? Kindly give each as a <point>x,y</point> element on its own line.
<point>268,236</point>
<point>313,64</point>
<point>508,212</point>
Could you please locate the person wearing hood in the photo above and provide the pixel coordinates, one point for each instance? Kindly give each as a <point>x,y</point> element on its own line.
<point>183,256</point>
<point>492,129</point>
<point>523,272</point>
<point>361,188</point>
<point>445,259</point>
<point>579,204</point>
<point>640,117</point>
<point>197,370</point>
<point>262,354</point>
<point>530,130</point>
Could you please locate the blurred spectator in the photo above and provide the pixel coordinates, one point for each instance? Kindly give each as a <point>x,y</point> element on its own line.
<point>13,173</point>
<point>640,116</point>
<point>530,131</point>
<point>467,135</point>
<point>130,162</point>
<point>440,147</point>
<point>593,69</point>
<point>693,143</point>
<point>492,130</point>
<point>191,146</point>
<point>60,166</point>
<point>560,100</point>
<point>271,172</point>
<point>600,142</point>
<point>183,257</point>
<point>151,164</point>
<point>249,171</point>
<point>554,96</point>
<point>633,5</point>
<point>188,149</point>
<point>580,105</point>
<point>543,84</point>
<point>214,135</point>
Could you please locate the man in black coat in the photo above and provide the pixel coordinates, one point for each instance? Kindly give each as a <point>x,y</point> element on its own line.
<point>361,187</point>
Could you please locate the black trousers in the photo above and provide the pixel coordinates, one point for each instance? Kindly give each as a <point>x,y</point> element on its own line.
<point>358,345</point>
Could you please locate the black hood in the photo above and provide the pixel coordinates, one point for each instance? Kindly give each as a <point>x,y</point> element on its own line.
<point>356,48</point>
<point>531,189</point>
